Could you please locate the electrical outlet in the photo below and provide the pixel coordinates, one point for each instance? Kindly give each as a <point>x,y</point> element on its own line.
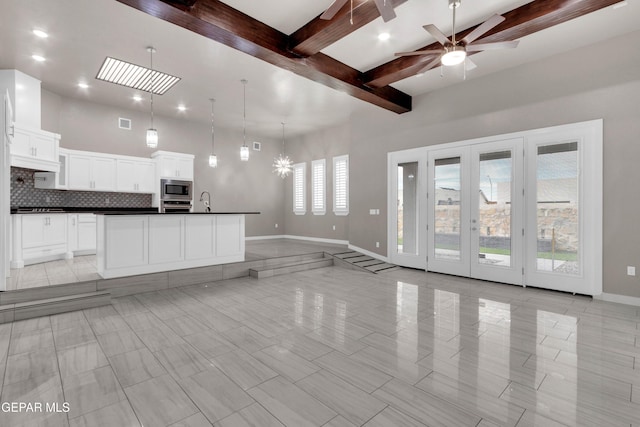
<point>377,244</point>
<point>631,270</point>
<point>276,225</point>
<point>372,211</point>
<point>106,201</point>
<point>334,228</point>
<point>47,199</point>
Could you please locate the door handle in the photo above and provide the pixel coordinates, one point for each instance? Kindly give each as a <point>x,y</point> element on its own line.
<point>13,131</point>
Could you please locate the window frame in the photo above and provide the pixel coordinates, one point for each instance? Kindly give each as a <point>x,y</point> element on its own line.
<point>341,210</point>
<point>302,169</point>
<point>321,208</point>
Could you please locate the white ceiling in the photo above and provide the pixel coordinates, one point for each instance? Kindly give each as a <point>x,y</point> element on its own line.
<point>82,33</point>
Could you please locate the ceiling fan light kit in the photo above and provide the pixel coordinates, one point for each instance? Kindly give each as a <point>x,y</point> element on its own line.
<point>455,52</point>
<point>454,55</point>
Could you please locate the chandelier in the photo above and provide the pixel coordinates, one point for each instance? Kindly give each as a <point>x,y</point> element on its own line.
<point>282,165</point>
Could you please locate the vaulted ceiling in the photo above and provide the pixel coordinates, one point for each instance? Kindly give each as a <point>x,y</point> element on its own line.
<point>306,71</point>
<point>301,53</point>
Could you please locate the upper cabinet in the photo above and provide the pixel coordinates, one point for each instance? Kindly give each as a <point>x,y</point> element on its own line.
<point>92,172</point>
<point>35,149</point>
<point>174,165</point>
<point>135,176</point>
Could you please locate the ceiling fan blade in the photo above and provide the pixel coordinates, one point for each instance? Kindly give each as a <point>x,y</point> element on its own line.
<point>437,34</point>
<point>469,64</point>
<point>333,9</point>
<point>419,52</point>
<point>386,10</point>
<point>489,46</point>
<point>483,28</point>
<point>429,66</point>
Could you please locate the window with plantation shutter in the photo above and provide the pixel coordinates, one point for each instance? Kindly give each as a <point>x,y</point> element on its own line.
<point>299,199</point>
<point>341,185</point>
<point>318,187</point>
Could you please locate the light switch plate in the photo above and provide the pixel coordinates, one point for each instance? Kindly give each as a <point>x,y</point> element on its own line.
<point>631,271</point>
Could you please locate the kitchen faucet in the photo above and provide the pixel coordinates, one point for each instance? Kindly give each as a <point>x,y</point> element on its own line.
<point>207,203</point>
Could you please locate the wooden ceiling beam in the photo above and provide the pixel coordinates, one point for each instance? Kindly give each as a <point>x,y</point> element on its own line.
<point>320,33</point>
<point>224,24</point>
<point>520,22</point>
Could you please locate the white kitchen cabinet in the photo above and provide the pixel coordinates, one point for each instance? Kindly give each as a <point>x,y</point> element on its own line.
<point>54,180</point>
<point>34,149</point>
<point>38,237</point>
<point>135,176</point>
<point>174,165</point>
<point>81,236</point>
<point>92,173</point>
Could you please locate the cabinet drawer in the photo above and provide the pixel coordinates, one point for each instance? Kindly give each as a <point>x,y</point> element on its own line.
<point>43,251</point>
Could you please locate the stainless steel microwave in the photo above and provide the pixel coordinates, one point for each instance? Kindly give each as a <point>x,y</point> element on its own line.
<point>172,189</point>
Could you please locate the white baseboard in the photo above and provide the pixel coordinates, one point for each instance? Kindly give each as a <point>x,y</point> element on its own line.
<point>621,299</point>
<point>369,253</point>
<point>309,239</point>
<point>269,237</point>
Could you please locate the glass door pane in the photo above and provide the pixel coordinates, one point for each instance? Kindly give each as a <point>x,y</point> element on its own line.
<point>494,208</point>
<point>407,209</point>
<point>497,215</point>
<point>447,216</point>
<point>557,213</point>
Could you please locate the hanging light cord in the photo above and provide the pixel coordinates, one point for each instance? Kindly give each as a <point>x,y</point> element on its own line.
<point>283,138</point>
<point>453,37</point>
<point>244,114</point>
<point>212,128</point>
<point>151,49</point>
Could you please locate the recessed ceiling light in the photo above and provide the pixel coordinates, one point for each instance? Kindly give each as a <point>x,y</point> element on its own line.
<point>40,33</point>
<point>83,85</point>
<point>181,107</point>
<point>137,98</point>
<point>38,58</point>
<point>384,36</point>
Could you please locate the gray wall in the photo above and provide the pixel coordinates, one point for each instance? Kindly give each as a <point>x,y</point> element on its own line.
<point>234,185</point>
<point>600,81</point>
<point>326,145</point>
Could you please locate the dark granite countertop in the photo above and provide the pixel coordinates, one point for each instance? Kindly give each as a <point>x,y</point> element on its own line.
<point>26,210</point>
<point>176,213</point>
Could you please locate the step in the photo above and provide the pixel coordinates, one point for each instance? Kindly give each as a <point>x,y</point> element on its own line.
<point>277,270</point>
<point>46,292</point>
<point>48,306</point>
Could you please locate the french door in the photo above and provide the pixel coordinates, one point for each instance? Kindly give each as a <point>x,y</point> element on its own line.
<point>476,208</point>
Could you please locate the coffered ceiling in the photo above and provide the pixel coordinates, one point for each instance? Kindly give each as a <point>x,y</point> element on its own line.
<point>83,33</point>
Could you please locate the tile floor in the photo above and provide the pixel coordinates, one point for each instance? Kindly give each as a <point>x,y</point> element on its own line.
<point>329,347</point>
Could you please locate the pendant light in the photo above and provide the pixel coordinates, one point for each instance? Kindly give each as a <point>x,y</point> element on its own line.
<point>152,133</point>
<point>213,159</point>
<point>282,165</point>
<point>244,150</point>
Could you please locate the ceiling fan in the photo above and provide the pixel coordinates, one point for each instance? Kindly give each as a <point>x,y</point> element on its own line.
<point>454,51</point>
<point>384,7</point>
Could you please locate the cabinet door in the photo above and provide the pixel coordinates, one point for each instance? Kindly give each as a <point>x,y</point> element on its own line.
<point>33,231</point>
<point>86,236</point>
<point>126,176</point>
<point>44,148</point>
<point>184,168</point>
<point>72,232</point>
<point>79,172</point>
<point>55,230</point>
<point>21,145</point>
<point>103,174</point>
<point>167,167</point>
<point>146,177</point>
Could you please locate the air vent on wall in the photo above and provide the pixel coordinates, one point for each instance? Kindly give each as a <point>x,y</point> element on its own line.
<point>124,123</point>
<point>256,146</point>
<point>135,76</point>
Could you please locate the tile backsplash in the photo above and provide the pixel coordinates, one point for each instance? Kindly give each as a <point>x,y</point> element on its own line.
<point>24,194</point>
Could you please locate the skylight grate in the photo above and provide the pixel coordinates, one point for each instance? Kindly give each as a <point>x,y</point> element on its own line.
<point>134,76</point>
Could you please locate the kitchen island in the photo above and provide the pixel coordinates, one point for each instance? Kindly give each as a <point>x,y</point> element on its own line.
<point>130,244</point>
